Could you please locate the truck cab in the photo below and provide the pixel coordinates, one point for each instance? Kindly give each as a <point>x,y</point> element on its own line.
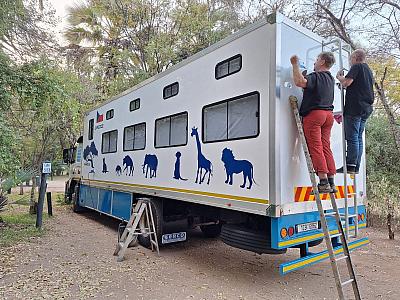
<point>73,157</point>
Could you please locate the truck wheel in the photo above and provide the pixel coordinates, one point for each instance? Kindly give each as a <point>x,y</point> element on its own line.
<point>75,200</point>
<point>156,207</point>
<point>211,231</point>
<point>238,236</point>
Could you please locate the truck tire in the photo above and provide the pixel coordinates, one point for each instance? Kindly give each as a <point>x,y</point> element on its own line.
<point>75,200</point>
<point>211,231</point>
<point>239,236</point>
<point>156,207</point>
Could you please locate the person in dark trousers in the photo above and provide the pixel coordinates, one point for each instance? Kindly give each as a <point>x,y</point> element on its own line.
<point>358,107</point>
<point>316,110</point>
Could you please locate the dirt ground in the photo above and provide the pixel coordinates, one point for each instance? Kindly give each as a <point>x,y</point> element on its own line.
<point>74,260</point>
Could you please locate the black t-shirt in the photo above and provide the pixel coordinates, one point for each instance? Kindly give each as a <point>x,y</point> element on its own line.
<point>360,94</point>
<point>319,93</point>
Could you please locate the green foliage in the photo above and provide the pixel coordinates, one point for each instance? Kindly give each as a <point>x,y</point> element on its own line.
<point>383,167</point>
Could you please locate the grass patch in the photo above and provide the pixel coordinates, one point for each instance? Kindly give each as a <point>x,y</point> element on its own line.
<point>18,227</point>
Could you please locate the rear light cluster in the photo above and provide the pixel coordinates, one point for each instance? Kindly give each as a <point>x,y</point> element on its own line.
<point>285,232</point>
<point>361,217</point>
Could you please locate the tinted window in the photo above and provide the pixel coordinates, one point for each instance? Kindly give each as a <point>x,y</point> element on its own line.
<point>91,127</point>
<point>171,90</point>
<point>135,137</point>
<point>171,131</point>
<point>232,119</point>
<point>109,141</point>
<point>228,67</point>
<point>110,114</point>
<point>134,104</point>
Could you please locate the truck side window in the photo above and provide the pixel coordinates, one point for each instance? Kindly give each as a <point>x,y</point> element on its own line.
<point>228,67</point>
<point>109,141</point>
<point>232,119</point>
<point>109,114</point>
<point>171,131</point>
<point>171,90</point>
<point>135,137</point>
<point>91,127</point>
<point>134,104</point>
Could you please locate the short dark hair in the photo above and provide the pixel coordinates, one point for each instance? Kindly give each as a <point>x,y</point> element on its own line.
<point>329,59</point>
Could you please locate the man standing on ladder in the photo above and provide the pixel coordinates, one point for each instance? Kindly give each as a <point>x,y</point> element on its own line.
<point>358,107</point>
<point>316,110</point>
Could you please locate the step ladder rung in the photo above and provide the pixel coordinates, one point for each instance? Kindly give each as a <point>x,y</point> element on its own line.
<point>330,214</point>
<point>349,216</point>
<point>341,258</point>
<point>335,235</point>
<point>347,282</point>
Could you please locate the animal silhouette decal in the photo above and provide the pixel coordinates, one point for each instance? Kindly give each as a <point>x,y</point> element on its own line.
<point>150,163</point>
<point>233,166</point>
<point>202,162</point>
<point>118,170</point>
<point>128,163</point>
<point>104,166</point>
<point>88,154</point>
<point>177,172</point>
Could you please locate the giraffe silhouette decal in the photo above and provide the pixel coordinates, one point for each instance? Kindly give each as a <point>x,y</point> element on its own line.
<point>202,162</point>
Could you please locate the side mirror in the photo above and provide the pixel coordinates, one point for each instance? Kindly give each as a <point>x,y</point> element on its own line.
<point>66,155</point>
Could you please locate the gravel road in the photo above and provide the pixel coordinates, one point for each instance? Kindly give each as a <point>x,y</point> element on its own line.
<point>74,260</point>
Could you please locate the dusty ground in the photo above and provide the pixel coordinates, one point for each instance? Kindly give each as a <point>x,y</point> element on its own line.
<point>74,261</point>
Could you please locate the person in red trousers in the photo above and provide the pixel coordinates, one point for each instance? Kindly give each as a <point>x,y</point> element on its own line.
<point>316,110</point>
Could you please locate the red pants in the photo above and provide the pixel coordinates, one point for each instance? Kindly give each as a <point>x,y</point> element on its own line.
<point>317,127</point>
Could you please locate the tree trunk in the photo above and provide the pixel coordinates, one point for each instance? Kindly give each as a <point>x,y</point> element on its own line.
<point>32,203</point>
<point>390,220</point>
<point>21,188</point>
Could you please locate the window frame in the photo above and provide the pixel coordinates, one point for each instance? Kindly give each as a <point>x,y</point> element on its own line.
<point>227,118</point>
<point>169,137</point>
<point>102,141</point>
<point>227,61</point>
<point>170,86</point>
<point>134,130</point>
<point>91,129</point>
<point>111,112</point>
<point>137,100</point>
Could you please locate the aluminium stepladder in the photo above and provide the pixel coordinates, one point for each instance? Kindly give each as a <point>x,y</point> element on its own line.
<point>335,214</point>
<point>142,213</point>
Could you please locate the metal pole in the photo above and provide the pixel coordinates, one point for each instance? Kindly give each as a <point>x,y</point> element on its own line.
<point>42,192</point>
<point>346,206</point>
<point>49,205</point>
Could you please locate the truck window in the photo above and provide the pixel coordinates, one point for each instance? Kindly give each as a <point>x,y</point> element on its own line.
<point>171,131</point>
<point>109,141</point>
<point>135,137</point>
<point>134,104</point>
<point>232,119</point>
<point>228,67</point>
<point>171,90</point>
<point>109,114</point>
<point>90,131</point>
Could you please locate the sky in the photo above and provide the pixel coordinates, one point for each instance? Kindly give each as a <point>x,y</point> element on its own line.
<point>61,12</point>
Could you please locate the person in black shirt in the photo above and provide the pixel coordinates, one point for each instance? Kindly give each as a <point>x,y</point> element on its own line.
<point>316,109</point>
<point>358,107</point>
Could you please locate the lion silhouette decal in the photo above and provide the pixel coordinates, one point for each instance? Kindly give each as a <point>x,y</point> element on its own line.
<point>233,166</point>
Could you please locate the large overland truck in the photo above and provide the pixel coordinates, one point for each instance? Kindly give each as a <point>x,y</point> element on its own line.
<point>212,142</point>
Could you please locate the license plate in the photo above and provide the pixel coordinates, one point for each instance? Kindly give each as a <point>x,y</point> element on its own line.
<point>173,237</point>
<point>307,226</point>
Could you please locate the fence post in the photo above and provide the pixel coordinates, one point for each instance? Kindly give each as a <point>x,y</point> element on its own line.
<point>49,205</point>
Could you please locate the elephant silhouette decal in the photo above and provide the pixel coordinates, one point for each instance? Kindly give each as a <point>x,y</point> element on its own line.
<point>177,170</point>
<point>202,162</point>
<point>233,166</point>
<point>128,163</point>
<point>150,163</point>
